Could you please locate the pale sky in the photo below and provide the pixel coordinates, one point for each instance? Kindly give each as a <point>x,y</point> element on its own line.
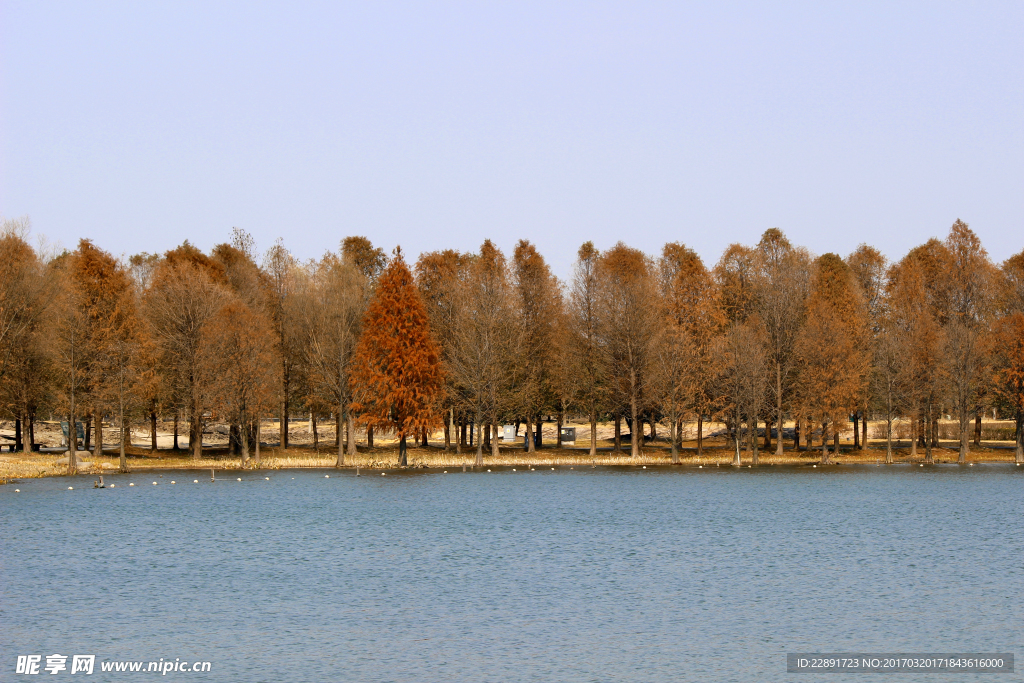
<point>436,125</point>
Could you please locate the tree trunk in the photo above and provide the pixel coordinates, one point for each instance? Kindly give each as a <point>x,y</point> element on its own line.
<point>32,431</point>
<point>98,451</point>
<point>176,429</point>
<point>72,441</point>
<point>495,450</point>
<point>778,409</point>
<point>636,430</point>
<point>17,435</point>
<point>673,429</point>
<point>316,436</point>
<point>977,426</point>
<point>479,441</point>
<point>824,443</point>
<point>258,436</point>
<point>618,433</point>
<point>888,439</point>
<point>462,434</point>
<point>753,442</point>
<point>558,429</point>
<point>339,442</point>
<point>835,443</point>
<point>928,441</point>
<point>152,430</point>
<point>736,439</point>
<point>243,437</point>
<point>593,433</point>
<point>448,425</point>
<point>767,435</point>
<point>402,452</point>
<point>864,432</point>
<point>856,431</point>
<point>538,435</point>
<point>797,422</point>
<point>964,441</point>
<point>350,432</point>
<point>196,430</point>
<point>487,436</point>
<point>87,446</point>
<point>1019,454</point>
<point>913,436</point>
<point>284,420</point>
<point>700,435</point>
<point>369,437</point>
<point>531,445</point>
<point>122,458</point>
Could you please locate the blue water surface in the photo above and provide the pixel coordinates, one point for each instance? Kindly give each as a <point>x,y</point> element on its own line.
<point>568,575</point>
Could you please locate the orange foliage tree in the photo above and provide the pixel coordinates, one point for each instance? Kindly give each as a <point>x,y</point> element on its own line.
<point>397,379</point>
<point>239,369</point>
<point>1008,364</point>
<point>831,347</point>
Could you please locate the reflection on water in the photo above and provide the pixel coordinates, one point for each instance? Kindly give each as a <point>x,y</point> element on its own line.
<point>585,575</point>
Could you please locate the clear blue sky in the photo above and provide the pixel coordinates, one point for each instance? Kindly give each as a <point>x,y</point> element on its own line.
<point>435,125</point>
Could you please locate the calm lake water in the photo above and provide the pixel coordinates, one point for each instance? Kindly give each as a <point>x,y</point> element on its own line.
<point>582,575</point>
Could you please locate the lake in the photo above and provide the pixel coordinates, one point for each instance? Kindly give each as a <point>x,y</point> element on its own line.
<point>569,575</point>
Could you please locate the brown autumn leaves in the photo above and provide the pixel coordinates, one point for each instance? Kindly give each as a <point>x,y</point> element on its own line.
<point>770,335</point>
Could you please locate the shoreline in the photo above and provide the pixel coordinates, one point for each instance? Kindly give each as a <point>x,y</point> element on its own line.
<point>17,466</point>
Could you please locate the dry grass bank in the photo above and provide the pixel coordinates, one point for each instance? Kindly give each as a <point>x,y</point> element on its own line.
<point>24,465</point>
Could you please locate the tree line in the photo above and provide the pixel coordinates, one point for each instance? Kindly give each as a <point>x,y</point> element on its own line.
<point>464,342</point>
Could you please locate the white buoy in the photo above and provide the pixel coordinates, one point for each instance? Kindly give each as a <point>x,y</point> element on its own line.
<point>513,469</point>
<point>645,467</point>
<point>239,479</point>
<point>488,470</point>
<point>922,465</point>
<point>154,483</point>
<point>173,482</point>
<point>17,490</point>
<point>112,485</point>
<point>327,476</point>
<point>552,469</point>
<point>446,471</point>
<point>195,481</point>
<point>71,488</point>
<point>813,465</point>
<point>131,484</point>
<point>267,478</point>
<point>384,473</point>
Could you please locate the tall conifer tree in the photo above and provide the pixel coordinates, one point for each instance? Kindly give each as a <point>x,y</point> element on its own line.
<point>397,381</point>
